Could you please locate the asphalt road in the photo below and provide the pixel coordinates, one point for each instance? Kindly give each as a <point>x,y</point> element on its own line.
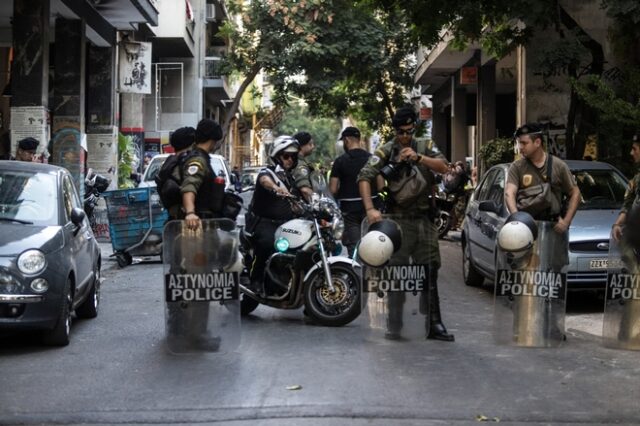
<point>117,371</point>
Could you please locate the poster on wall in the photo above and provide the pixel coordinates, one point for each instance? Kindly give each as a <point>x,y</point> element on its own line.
<point>31,121</point>
<point>135,67</point>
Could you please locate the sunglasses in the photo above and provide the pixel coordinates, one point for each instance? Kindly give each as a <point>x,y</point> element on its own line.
<point>287,156</point>
<point>401,132</point>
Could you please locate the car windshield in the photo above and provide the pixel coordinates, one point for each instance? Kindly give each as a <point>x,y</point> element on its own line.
<point>600,189</point>
<point>28,197</point>
<point>153,168</point>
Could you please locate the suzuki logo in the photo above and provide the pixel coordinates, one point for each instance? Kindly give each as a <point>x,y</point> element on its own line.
<point>291,231</point>
<point>603,246</point>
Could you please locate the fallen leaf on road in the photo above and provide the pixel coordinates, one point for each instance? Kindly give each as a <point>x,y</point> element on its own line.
<point>294,387</point>
<point>483,418</point>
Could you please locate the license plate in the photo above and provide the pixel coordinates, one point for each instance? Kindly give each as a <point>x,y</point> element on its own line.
<point>598,264</point>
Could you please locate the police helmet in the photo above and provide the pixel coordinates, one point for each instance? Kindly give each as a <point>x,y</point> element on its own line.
<point>283,144</point>
<point>517,236</point>
<point>382,240</point>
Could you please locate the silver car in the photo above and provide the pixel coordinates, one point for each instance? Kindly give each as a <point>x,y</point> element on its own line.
<point>602,187</point>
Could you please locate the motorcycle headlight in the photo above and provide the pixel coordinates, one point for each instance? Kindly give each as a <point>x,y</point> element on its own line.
<point>337,227</point>
<point>31,262</point>
<point>282,245</point>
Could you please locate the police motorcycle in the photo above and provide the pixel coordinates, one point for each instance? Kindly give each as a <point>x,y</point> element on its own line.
<point>530,283</point>
<point>621,323</point>
<point>394,294</point>
<point>310,267</point>
<point>202,274</point>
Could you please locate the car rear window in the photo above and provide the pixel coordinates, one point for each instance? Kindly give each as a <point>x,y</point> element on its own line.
<point>600,189</point>
<point>29,196</point>
<point>153,168</point>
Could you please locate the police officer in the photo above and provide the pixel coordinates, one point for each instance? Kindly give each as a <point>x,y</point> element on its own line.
<point>202,196</point>
<point>302,172</point>
<point>632,195</point>
<point>27,149</point>
<point>170,174</point>
<point>344,186</point>
<point>420,237</point>
<point>531,170</point>
<point>269,208</point>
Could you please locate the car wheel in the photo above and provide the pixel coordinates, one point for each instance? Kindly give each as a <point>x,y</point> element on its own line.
<point>89,308</point>
<point>471,276</point>
<point>59,336</point>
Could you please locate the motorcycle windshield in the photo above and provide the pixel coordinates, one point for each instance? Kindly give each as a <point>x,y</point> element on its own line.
<point>530,291</point>
<point>201,275</point>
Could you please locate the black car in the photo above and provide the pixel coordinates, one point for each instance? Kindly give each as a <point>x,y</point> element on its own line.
<point>49,259</point>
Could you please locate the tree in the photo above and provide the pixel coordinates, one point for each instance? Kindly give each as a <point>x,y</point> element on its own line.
<point>337,55</point>
<point>499,25</point>
<point>325,131</point>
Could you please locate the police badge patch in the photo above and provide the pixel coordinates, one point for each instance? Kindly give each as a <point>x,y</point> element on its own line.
<point>526,180</point>
<point>192,170</point>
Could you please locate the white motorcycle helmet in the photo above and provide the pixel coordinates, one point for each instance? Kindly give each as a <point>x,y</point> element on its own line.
<point>517,236</point>
<point>282,144</point>
<point>382,240</point>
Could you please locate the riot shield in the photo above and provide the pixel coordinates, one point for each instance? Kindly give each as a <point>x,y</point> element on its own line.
<point>621,324</point>
<point>201,273</point>
<point>530,291</point>
<point>394,296</point>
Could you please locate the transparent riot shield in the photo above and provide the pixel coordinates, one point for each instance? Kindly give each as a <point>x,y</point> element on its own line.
<point>394,296</point>
<point>530,291</point>
<point>621,325</point>
<point>201,274</point>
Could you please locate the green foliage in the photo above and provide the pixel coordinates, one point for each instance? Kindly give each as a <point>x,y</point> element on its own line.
<point>341,57</point>
<point>597,94</point>
<point>126,160</point>
<point>496,151</point>
<point>325,132</point>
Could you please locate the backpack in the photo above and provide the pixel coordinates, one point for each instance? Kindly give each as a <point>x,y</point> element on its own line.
<point>169,185</point>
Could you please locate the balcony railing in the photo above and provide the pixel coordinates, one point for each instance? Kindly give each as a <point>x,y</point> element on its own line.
<point>212,68</point>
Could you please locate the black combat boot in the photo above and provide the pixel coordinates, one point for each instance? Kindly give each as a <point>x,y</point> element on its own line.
<point>435,328</point>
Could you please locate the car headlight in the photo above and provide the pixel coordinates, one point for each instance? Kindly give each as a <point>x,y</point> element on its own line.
<point>31,262</point>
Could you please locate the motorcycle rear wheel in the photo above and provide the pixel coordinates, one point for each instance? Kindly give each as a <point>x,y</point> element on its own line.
<point>247,304</point>
<point>333,309</point>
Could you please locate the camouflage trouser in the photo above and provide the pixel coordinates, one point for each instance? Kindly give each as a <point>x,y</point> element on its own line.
<point>419,246</point>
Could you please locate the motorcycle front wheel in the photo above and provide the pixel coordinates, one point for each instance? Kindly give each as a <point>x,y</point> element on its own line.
<point>443,223</point>
<point>337,308</point>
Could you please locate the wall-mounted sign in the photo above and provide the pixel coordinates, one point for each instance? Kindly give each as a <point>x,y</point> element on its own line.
<point>468,75</point>
<point>135,67</point>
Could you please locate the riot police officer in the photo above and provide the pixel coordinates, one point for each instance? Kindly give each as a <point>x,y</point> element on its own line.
<point>169,177</point>
<point>420,237</point>
<point>269,207</point>
<point>303,169</point>
<point>202,193</point>
<point>631,196</point>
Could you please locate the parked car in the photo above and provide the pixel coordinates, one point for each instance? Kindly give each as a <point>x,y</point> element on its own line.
<point>218,163</point>
<point>49,259</point>
<point>602,187</point>
<point>248,176</point>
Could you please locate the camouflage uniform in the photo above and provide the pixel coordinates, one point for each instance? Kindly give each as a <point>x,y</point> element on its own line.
<point>419,233</point>
<point>631,198</point>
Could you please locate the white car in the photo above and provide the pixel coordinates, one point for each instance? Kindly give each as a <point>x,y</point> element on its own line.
<point>218,164</point>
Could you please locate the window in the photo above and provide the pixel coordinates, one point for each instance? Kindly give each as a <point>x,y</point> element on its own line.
<point>28,196</point>
<point>482,192</point>
<point>600,189</point>
<point>496,191</point>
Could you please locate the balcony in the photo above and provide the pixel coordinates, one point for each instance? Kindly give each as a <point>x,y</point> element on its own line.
<point>215,84</point>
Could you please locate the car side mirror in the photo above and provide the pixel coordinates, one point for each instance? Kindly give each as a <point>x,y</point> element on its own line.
<point>77,216</point>
<point>490,206</point>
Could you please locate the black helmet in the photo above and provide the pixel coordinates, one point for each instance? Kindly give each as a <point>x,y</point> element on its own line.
<point>381,241</point>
